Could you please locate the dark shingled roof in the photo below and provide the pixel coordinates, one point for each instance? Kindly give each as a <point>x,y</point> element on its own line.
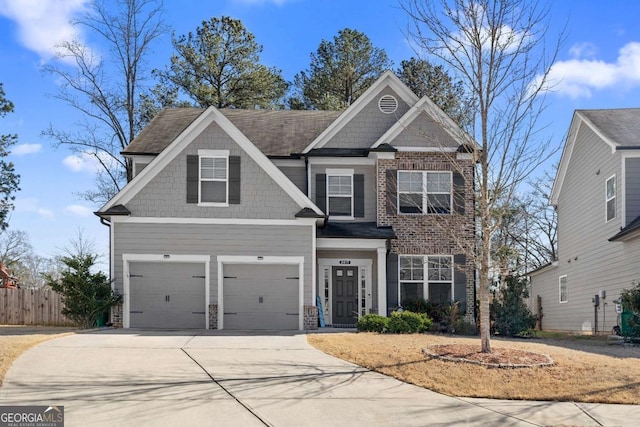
<point>115,210</point>
<point>361,230</point>
<point>308,213</point>
<point>626,231</point>
<point>621,126</point>
<point>274,132</point>
<point>163,129</point>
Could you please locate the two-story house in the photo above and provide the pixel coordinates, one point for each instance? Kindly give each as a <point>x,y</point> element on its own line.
<point>256,219</point>
<point>597,195</point>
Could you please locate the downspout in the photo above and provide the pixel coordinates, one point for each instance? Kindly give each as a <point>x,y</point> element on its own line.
<point>103,221</point>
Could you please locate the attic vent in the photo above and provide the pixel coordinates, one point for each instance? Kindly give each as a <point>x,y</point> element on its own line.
<point>388,104</point>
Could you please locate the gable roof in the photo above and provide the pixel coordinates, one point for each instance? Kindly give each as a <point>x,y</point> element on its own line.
<point>618,128</point>
<point>195,128</point>
<point>388,78</point>
<point>277,133</point>
<point>426,105</point>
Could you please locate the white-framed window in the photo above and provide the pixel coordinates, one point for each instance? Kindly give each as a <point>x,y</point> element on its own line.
<point>563,290</point>
<point>340,194</point>
<point>610,197</point>
<point>424,192</point>
<point>214,177</point>
<point>427,277</point>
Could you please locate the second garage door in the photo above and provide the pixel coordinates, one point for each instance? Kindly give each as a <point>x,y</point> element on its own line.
<point>261,296</point>
<point>166,295</point>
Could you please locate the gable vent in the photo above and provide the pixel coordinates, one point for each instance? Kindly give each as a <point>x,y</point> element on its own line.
<point>388,104</point>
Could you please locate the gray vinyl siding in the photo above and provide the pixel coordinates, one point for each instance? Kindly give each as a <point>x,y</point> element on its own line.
<point>424,132</point>
<point>260,195</point>
<point>632,188</point>
<point>585,255</point>
<point>213,240</point>
<point>297,175</point>
<point>369,125</point>
<point>370,195</point>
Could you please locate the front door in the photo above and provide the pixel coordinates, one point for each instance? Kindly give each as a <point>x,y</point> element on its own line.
<point>345,295</point>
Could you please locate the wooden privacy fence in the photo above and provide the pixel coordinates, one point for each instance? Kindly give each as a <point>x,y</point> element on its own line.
<point>31,307</point>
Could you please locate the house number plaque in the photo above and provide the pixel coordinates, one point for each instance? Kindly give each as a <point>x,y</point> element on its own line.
<point>345,261</point>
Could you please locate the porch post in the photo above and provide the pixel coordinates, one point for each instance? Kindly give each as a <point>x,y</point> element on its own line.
<point>382,281</point>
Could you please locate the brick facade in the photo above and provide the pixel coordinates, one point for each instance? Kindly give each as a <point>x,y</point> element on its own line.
<point>432,234</point>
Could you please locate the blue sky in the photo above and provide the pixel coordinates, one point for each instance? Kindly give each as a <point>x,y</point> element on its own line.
<point>598,67</point>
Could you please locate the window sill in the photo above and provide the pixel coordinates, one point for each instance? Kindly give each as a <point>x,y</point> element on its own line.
<point>212,204</point>
<point>423,214</point>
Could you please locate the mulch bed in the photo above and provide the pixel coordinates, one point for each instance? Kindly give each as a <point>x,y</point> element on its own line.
<point>498,358</point>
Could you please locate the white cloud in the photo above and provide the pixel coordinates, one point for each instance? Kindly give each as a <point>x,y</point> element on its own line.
<point>43,23</point>
<point>86,162</point>
<point>24,149</point>
<point>32,205</point>
<point>583,50</point>
<point>579,77</point>
<point>77,210</point>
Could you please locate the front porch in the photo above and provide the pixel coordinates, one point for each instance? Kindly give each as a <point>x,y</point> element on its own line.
<point>351,271</point>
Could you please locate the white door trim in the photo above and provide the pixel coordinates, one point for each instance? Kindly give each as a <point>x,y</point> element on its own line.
<point>234,259</point>
<point>129,258</point>
<point>329,263</point>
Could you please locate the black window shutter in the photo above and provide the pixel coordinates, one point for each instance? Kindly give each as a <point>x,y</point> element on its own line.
<point>321,191</point>
<point>458,193</point>
<point>234,180</point>
<point>460,280</point>
<point>358,196</point>
<point>192,179</point>
<point>392,191</point>
<point>392,281</point>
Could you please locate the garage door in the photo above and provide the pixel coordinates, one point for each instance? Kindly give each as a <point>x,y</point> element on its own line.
<point>166,295</point>
<point>261,296</point>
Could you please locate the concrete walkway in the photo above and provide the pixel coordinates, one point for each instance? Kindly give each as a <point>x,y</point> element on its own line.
<point>169,378</point>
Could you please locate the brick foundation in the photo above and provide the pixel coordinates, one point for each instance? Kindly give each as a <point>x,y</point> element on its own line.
<point>116,316</point>
<point>213,316</point>
<point>310,317</point>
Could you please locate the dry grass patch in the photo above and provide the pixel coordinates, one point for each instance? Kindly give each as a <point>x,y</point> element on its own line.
<point>15,340</point>
<point>583,375</point>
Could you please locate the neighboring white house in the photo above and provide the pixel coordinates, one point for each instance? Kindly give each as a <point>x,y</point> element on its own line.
<point>597,194</point>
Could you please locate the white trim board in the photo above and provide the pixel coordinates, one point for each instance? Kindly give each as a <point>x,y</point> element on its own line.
<point>165,258</point>
<point>337,243</point>
<point>213,221</point>
<point>269,260</point>
<point>199,125</point>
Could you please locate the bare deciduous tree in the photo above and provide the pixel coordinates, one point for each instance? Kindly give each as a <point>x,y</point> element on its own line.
<point>106,89</point>
<point>14,247</point>
<point>497,48</point>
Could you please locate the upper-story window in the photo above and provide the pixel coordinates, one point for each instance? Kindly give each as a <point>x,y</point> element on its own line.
<point>214,178</point>
<point>424,192</point>
<point>340,194</point>
<point>611,198</point>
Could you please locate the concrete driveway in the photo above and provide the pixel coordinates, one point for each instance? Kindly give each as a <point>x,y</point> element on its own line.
<point>185,378</point>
